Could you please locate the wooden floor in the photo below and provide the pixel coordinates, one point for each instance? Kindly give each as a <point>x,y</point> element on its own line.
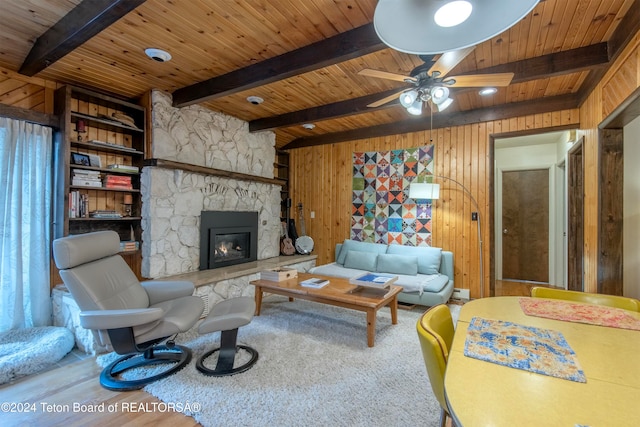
<point>48,399</point>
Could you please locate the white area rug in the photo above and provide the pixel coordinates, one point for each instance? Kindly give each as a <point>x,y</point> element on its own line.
<point>27,351</point>
<point>315,369</point>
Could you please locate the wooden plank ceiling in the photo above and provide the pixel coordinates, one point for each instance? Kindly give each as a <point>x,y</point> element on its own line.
<point>303,57</point>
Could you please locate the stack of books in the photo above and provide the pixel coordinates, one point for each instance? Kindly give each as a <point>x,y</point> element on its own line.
<point>123,168</point>
<point>78,205</point>
<point>86,178</point>
<point>129,245</point>
<point>374,280</point>
<point>104,213</point>
<point>118,181</point>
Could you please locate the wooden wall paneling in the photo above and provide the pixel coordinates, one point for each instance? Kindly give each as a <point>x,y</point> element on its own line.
<point>462,153</point>
<point>610,233</point>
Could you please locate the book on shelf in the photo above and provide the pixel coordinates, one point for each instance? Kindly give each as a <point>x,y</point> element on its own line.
<point>86,182</point>
<point>118,181</point>
<point>105,214</point>
<point>123,168</point>
<point>85,172</point>
<point>129,245</point>
<point>110,144</point>
<point>314,282</point>
<point>374,280</point>
<point>78,205</point>
<point>278,274</point>
<point>86,178</point>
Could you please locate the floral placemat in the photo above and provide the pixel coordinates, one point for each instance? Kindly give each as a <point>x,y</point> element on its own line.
<point>542,351</point>
<point>581,313</point>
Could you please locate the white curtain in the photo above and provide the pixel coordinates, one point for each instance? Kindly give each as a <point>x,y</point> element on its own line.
<point>25,207</point>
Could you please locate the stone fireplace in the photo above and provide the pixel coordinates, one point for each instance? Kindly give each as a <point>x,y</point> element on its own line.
<point>174,200</point>
<point>227,238</point>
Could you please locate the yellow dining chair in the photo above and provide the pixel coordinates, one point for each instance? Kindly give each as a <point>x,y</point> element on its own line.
<point>625,303</point>
<point>435,332</point>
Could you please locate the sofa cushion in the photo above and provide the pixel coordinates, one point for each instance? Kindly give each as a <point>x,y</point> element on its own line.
<point>361,260</point>
<point>419,283</point>
<point>428,257</point>
<point>397,264</point>
<point>352,245</point>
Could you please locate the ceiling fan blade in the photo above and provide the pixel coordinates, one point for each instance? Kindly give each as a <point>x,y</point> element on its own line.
<point>449,60</point>
<point>384,100</point>
<point>385,75</point>
<point>482,80</point>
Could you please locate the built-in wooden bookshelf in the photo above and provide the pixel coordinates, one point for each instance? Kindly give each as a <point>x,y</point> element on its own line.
<point>98,131</point>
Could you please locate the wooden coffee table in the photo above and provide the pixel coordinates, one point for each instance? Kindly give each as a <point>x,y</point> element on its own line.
<point>339,292</point>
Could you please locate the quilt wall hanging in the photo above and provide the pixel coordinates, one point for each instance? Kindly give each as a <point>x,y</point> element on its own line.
<point>382,211</point>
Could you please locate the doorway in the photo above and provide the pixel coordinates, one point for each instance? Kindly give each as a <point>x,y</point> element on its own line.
<point>528,231</point>
<point>525,225</point>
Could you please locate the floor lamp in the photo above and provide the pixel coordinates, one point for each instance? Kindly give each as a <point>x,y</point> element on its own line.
<point>420,190</point>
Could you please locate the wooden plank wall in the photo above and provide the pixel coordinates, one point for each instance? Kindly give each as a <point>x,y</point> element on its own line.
<point>321,181</point>
<point>619,82</point>
<point>29,93</point>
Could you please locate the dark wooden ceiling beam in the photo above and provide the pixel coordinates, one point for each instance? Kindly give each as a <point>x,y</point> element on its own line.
<point>83,22</point>
<point>506,111</point>
<point>342,47</point>
<point>555,64</point>
<point>323,112</point>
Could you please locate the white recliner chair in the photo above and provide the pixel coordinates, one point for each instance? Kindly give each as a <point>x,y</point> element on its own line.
<point>129,317</point>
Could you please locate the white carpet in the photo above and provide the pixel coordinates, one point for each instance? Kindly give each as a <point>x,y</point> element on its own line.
<point>315,369</point>
<point>30,350</point>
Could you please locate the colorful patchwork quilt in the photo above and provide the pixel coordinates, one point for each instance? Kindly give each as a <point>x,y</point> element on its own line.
<point>382,210</point>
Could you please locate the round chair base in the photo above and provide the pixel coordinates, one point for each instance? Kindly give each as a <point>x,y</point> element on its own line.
<point>178,355</point>
<point>225,362</point>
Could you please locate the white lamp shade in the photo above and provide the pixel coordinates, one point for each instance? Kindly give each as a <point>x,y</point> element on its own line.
<point>409,25</point>
<point>424,191</point>
<point>415,108</point>
<point>444,104</point>
<point>408,98</point>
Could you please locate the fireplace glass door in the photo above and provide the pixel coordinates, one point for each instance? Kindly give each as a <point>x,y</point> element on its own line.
<point>231,247</point>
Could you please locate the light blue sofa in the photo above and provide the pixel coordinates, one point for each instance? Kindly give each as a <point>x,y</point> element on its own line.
<point>425,273</point>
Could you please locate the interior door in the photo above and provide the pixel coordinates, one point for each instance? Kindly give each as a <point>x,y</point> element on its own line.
<point>525,225</point>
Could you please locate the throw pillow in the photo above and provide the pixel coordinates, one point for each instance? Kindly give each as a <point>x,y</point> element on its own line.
<point>397,264</point>
<point>428,257</point>
<point>352,245</point>
<point>361,260</point>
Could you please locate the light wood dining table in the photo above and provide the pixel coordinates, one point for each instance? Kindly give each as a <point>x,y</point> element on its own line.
<point>486,394</point>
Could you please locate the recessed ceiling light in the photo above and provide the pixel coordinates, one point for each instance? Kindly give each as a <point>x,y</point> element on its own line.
<point>255,100</point>
<point>309,126</point>
<point>488,91</point>
<point>158,54</point>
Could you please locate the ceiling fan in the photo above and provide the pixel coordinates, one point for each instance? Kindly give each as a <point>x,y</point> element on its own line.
<point>431,84</point>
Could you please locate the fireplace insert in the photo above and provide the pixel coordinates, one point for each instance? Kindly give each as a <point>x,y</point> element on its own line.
<point>227,238</point>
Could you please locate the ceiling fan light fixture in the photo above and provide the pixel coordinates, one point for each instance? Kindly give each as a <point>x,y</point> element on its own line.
<point>453,13</point>
<point>445,104</point>
<point>409,26</point>
<point>415,108</point>
<point>439,94</point>
<point>408,98</point>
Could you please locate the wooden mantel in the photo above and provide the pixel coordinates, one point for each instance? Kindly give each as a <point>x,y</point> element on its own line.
<point>170,164</point>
